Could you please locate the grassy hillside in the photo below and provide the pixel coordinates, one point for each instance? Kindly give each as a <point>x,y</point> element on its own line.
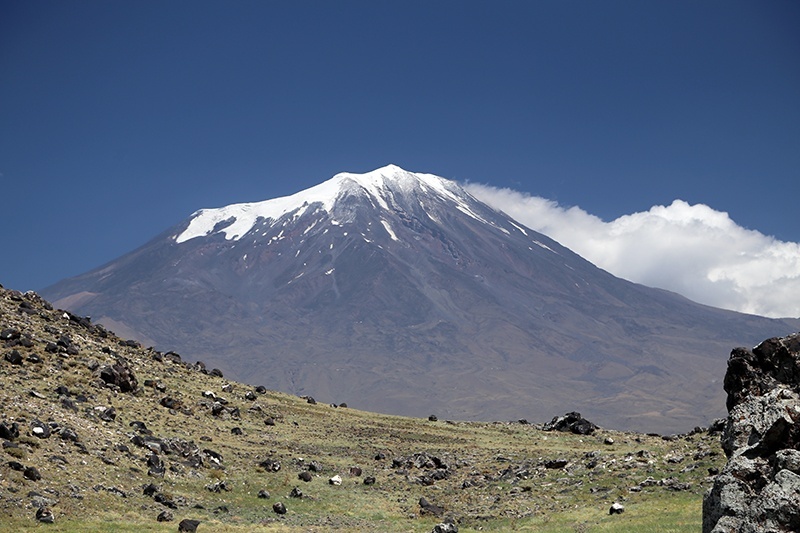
<point>207,447</point>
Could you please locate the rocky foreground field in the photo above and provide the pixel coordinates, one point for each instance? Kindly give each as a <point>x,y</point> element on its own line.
<point>100,434</point>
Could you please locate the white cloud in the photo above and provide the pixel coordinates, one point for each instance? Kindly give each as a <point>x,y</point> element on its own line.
<point>690,249</point>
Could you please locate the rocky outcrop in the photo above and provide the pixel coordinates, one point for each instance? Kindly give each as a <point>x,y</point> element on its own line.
<point>758,490</point>
<point>573,422</point>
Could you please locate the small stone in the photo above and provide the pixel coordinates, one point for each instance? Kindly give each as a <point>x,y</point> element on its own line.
<point>608,441</point>
<point>335,480</point>
<point>165,516</point>
<point>263,494</point>
<point>304,476</point>
<point>279,508</point>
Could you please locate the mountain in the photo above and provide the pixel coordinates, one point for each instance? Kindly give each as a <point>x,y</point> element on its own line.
<point>401,293</point>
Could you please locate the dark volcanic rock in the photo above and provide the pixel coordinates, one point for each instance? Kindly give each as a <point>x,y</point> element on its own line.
<point>119,374</point>
<point>32,473</point>
<point>45,515</point>
<point>14,357</point>
<point>188,526</point>
<point>9,431</point>
<point>40,429</point>
<point>429,508</point>
<point>759,488</point>
<point>573,422</point>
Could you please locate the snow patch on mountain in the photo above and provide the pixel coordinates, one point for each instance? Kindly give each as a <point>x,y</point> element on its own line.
<point>382,186</point>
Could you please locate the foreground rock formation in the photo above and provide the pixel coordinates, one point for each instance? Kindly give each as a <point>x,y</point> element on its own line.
<point>758,490</point>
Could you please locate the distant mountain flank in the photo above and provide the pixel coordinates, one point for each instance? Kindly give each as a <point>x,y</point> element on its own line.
<point>399,292</point>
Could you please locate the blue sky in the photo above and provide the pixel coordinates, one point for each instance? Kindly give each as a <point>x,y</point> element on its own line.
<point>119,119</point>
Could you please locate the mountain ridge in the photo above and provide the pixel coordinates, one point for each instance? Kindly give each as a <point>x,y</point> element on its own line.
<point>400,298</point>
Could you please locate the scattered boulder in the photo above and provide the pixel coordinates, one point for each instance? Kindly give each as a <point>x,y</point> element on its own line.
<point>759,487</point>
<point>555,464</point>
<point>445,527</point>
<point>573,422</point>
<point>188,526</point>
<point>171,403</point>
<point>279,508</point>
<point>214,457</point>
<point>45,515</point>
<point>149,490</point>
<point>304,476</point>
<point>270,465</point>
<point>428,508</point>
<point>9,432</point>
<point>68,434</point>
<point>296,493</point>
<point>616,508</point>
<point>108,414</point>
<point>119,374</point>
<point>335,480</point>
<point>369,480</point>
<point>32,473</point>
<point>9,334</point>
<point>165,516</point>
<point>13,357</point>
<point>263,494</point>
<point>155,466</point>
<point>40,429</point>
<point>218,486</point>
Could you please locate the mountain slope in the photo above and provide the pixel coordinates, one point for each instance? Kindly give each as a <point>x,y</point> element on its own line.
<point>401,293</point>
<point>105,436</point>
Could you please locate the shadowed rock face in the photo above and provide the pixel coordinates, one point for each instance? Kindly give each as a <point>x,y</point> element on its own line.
<point>404,299</point>
<point>759,488</point>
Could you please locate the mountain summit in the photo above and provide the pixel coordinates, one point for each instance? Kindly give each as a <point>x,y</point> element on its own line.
<point>400,292</point>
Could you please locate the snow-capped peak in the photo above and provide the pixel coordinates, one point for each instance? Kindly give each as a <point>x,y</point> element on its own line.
<point>380,184</point>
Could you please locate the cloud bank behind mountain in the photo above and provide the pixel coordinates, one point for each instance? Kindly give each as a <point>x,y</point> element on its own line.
<point>694,250</point>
